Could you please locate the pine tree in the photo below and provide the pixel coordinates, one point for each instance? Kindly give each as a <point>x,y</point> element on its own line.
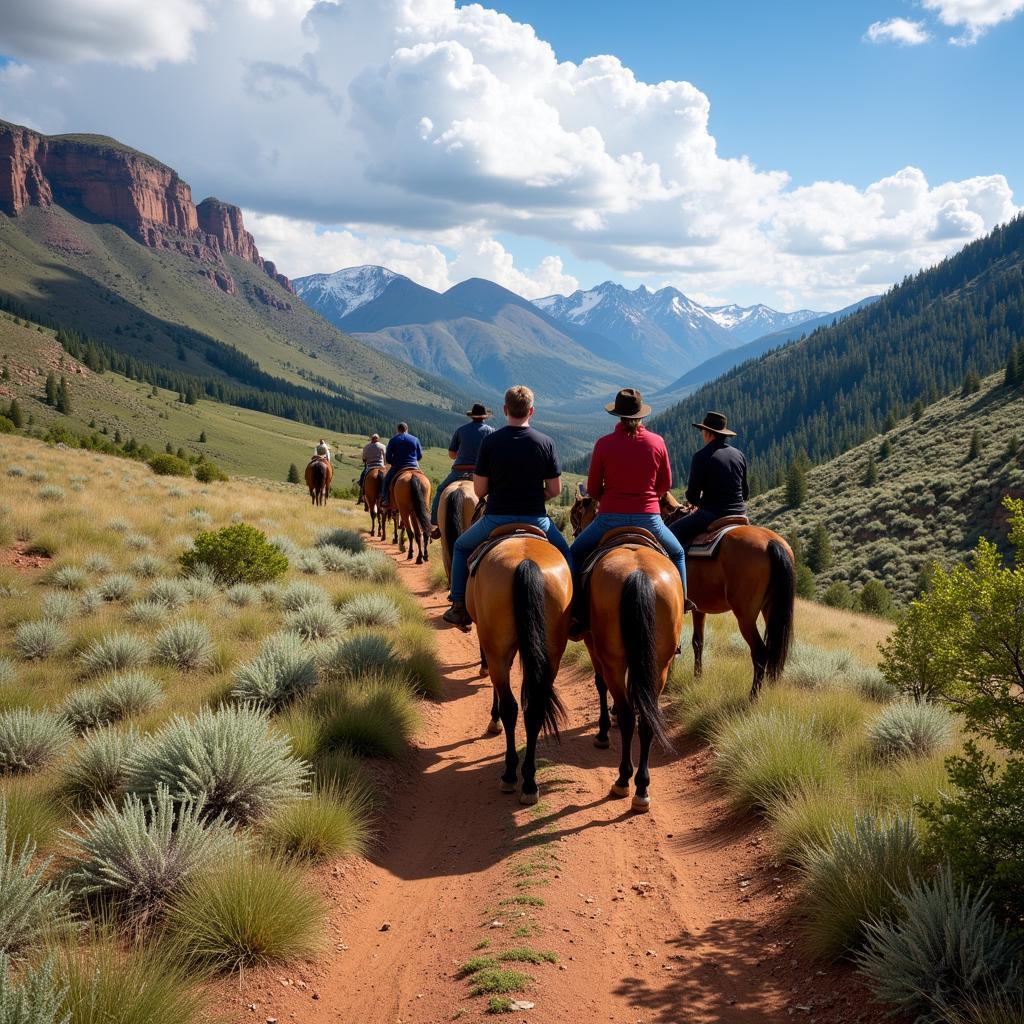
<point>293,474</point>
<point>15,415</point>
<point>117,437</point>
<point>1014,376</point>
<point>169,448</point>
<point>202,437</point>
<point>1012,446</point>
<point>7,373</point>
<point>971,385</point>
<point>871,473</point>
<point>975,449</point>
<point>885,450</point>
<point>819,550</point>
<point>796,484</point>
<point>917,411</point>
<point>805,586</point>
<point>63,401</point>
<point>890,422</point>
<point>51,388</point>
<point>191,398</point>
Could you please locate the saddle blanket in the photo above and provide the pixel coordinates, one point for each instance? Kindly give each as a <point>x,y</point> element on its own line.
<point>499,534</point>
<point>705,544</point>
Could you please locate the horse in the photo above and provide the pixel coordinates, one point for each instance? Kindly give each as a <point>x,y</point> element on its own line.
<point>372,483</point>
<point>319,474</point>
<point>520,597</point>
<point>410,498</point>
<point>454,515</point>
<point>752,574</point>
<point>636,603</point>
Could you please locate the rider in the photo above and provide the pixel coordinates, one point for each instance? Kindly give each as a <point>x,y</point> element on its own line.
<point>404,451</point>
<point>322,451</point>
<point>462,450</point>
<point>373,458</point>
<point>517,471</point>
<point>629,473</point>
<point>718,480</point>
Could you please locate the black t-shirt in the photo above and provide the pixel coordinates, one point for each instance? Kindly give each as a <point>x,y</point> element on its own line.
<point>516,462</point>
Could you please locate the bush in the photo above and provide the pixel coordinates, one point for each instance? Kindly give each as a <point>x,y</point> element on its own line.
<point>59,607</point>
<point>311,562</point>
<point>7,672</point>
<point>84,709</point>
<point>185,645</point>
<point>838,595</point>
<point>145,613</point>
<point>236,554</point>
<point>99,563</point>
<point>116,587</point>
<point>90,602</point>
<point>874,599</point>
<point>228,759</point>
<point>303,729</point>
<point>172,594</point>
<point>372,610</point>
<point>137,855</point>
<point>99,769</point>
<point>850,880</point>
<point>52,492</point>
<point>313,622</point>
<point>37,640</point>
<point>300,594</point>
<point>169,465</point>
<point>286,546</point>
<point>945,951</point>
<point>37,997</point>
<point>342,770</point>
<point>246,912</point>
<point>810,666</point>
<point>115,652</point>
<point>330,824</point>
<point>201,584</point>
<point>359,654</point>
<point>910,729</point>
<point>374,717</point>
<point>69,577</point>
<point>807,819</point>
<point>137,542</point>
<point>146,567</point>
<point>242,595</point>
<point>347,540</point>
<point>207,472</point>
<point>30,739</point>
<point>284,670</point>
<point>132,693</point>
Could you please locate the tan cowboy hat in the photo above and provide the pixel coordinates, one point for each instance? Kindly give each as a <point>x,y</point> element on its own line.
<point>628,405</point>
<point>478,412</point>
<point>715,422</point>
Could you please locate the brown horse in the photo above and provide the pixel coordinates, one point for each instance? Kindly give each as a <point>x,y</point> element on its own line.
<point>410,499</point>
<point>752,574</point>
<point>520,598</point>
<point>319,474</point>
<point>454,516</point>
<point>372,483</point>
<point>636,615</point>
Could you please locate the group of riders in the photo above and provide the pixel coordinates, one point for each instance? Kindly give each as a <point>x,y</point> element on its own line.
<point>516,469</point>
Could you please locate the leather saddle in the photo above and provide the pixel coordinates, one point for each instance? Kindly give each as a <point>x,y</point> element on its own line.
<point>499,534</point>
<point>621,536</point>
<point>705,544</point>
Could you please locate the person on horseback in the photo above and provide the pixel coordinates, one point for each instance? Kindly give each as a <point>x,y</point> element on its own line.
<point>718,480</point>
<point>373,457</point>
<point>404,451</point>
<point>322,451</point>
<point>629,473</point>
<point>517,471</point>
<point>463,450</point>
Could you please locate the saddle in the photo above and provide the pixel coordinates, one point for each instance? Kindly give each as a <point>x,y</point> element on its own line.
<point>705,544</point>
<point>499,534</point>
<point>621,536</point>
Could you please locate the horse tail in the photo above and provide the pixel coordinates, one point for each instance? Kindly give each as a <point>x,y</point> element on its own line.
<point>779,607</point>
<point>528,602</point>
<point>419,507</point>
<point>638,622</point>
<point>453,508</point>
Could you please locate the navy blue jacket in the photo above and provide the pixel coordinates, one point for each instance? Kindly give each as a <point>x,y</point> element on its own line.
<point>404,450</point>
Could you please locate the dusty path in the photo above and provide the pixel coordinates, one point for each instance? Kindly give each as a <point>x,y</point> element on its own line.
<point>674,916</point>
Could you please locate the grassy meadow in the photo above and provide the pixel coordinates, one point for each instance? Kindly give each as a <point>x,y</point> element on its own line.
<point>177,748</point>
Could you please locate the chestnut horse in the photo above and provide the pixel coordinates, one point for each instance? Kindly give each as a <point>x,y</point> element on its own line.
<point>319,474</point>
<point>751,574</point>
<point>410,500</point>
<point>372,483</point>
<point>454,516</point>
<point>519,597</point>
<point>636,615</point>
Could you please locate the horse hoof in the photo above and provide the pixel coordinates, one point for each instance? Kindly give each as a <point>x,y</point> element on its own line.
<point>506,787</point>
<point>641,804</point>
<point>618,790</point>
<point>602,744</point>
<point>527,799</point>
<point>493,728</point>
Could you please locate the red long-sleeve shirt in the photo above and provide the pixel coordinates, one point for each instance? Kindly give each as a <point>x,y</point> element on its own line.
<point>629,473</point>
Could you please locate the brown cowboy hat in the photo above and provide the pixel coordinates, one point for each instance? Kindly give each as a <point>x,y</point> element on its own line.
<point>715,422</point>
<point>628,405</point>
<point>478,412</point>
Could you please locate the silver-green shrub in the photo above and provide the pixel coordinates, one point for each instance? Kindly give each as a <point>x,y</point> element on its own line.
<point>52,492</point>
<point>172,594</point>
<point>910,729</point>
<point>347,540</point>
<point>116,587</point>
<point>90,602</point>
<point>185,645</point>
<point>284,670</point>
<point>147,567</point>
<point>242,595</point>
<point>99,563</point>
<point>137,542</point>
<point>355,655</point>
<point>311,562</point>
<point>59,606</point>
<point>299,594</point>
<point>313,622</point>
<point>98,770</point>
<point>114,653</point>
<point>286,546</point>
<point>132,693</point>
<point>811,666</point>
<point>37,997</point>
<point>30,739</point>
<point>201,584</point>
<point>373,610</point>
<point>145,613</point>
<point>37,640</point>
<point>7,671</point>
<point>119,525</point>
<point>85,709</point>
<point>69,577</point>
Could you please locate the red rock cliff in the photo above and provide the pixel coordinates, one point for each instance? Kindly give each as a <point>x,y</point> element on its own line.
<point>120,185</point>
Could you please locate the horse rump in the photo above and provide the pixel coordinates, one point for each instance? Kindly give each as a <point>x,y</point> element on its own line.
<point>528,602</point>
<point>638,610</point>
<point>779,609</point>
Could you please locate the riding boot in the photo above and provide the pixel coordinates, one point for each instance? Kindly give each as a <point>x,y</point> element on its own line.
<point>458,616</point>
<point>435,532</point>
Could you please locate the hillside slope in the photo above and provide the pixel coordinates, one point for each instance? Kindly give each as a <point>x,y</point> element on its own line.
<point>930,501</point>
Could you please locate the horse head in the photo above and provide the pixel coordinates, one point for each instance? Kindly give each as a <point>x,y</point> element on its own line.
<point>583,511</point>
<point>671,509</point>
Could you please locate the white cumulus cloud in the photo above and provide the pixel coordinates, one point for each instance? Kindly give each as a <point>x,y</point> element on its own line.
<point>974,17</point>
<point>897,30</point>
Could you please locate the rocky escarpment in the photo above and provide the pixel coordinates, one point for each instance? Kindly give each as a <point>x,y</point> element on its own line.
<point>113,183</point>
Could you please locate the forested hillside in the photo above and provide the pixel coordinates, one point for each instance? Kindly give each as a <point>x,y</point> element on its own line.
<point>836,388</point>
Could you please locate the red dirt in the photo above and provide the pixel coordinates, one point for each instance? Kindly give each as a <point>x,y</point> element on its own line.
<point>17,559</point>
<point>677,915</point>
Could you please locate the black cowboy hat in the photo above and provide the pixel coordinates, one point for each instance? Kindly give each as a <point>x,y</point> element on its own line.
<point>479,412</point>
<point>715,422</point>
<point>628,405</point>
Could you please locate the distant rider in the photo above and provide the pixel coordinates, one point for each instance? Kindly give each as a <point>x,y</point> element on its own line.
<point>718,480</point>
<point>629,474</point>
<point>463,449</point>
<point>517,471</point>
<point>322,451</point>
<point>404,451</point>
<point>373,458</point>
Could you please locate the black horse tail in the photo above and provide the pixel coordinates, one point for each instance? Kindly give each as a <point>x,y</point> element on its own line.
<point>637,620</point>
<point>319,478</point>
<point>419,507</point>
<point>779,608</point>
<point>528,601</point>
<point>453,506</point>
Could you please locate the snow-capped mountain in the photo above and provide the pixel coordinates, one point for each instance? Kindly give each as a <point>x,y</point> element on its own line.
<point>750,322</point>
<point>344,291</point>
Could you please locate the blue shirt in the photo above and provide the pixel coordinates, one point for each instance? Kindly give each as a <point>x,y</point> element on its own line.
<point>466,441</point>
<point>404,450</point>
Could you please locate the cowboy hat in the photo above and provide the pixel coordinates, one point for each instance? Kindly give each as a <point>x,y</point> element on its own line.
<point>478,412</point>
<point>628,405</point>
<point>715,422</point>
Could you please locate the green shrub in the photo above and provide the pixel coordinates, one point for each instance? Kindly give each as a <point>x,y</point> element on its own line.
<point>850,879</point>
<point>116,587</point>
<point>69,577</point>
<point>807,819</point>
<point>35,998</point>
<point>169,465</point>
<point>98,770</point>
<point>943,951</point>
<point>357,655</point>
<point>228,759</point>
<point>343,770</point>
<point>185,645</point>
<point>874,599</point>
<point>313,622</point>
<point>30,739</point>
<point>115,652</point>
<point>910,729</point>
<point>284,670</point>
<point>330,824</point>
<point>38,640</point>
<point>207,472</point>
<point>236,554</point>
<point>374,717</point>
<point>172,594</point>
<point>838,595</point>
<point>347,540</point>
<point>246,912</point>
<point>370,610</point>
<point>300,594</point>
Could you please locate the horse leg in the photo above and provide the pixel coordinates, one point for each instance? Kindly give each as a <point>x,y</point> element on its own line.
<point>483,672</point>
<point>508,710</point>
<point>641,799</point>
<point>413,538</point>
<point>604,720</point>
<point>533,719</point>
<point>627,722</point>
<point>758,652</point>
<point>494,725</point>
<point>698,643</point>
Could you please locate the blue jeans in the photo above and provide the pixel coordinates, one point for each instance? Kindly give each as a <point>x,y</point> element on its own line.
<point>480,531</point>
<point>589,539</point>
<point>455,474</point>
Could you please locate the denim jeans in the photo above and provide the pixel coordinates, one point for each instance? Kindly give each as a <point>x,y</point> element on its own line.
<point>589,539</point>
<point>480,531</point>
<point>455,474</point>
<point>689,526</point>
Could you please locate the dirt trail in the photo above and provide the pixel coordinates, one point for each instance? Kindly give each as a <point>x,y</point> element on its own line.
<point>673,916</point>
